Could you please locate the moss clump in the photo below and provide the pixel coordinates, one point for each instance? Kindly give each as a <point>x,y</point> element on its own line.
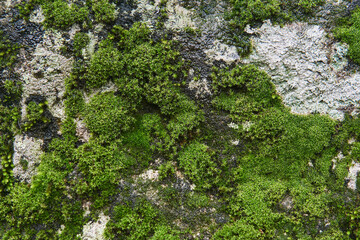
<point>141,221</point>
<point>196,160</point>
<point>35,114</point>
<point>108,115</point>
<point>104,11</point>
<point>81,40</point>
<point>8,51</point>
<point>349,33</point>
<point>10,95</point>
<point>59,14</point>
<point>238,230</point>
<point>250,12</point>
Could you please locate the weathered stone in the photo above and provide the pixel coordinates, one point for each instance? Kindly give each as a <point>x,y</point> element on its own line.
<point>306,67</point>
<point>353,172</point>
<point>82,132</point>
<point>26,158</point>
<point>95,230</point>
<point>44,72</point>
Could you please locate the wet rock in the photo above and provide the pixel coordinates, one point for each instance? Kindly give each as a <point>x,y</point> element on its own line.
<point>26,158</point>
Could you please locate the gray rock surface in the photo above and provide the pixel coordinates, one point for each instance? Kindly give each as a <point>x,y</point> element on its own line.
<point>353,172</point>
<point>44,71</point>
<point>95,230</point>
<point>26,157</point>
<point>307,68</point>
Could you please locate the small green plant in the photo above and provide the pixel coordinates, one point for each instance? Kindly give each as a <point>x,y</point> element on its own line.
<point>139,222</point>
<point>26,8</point>
<point>238,230</point>
<point>8,51</point>
<point>167,170</point>
<point>35,114</point>
<point>81,40</point>
<point>349,33</point>
<point>59,14</point>
<point>196,160</point>
<point>104,11</point>
<point>108,115</point>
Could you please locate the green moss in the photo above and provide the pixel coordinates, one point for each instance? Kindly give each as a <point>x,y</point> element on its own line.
<point>59,14</point>
<point>238,230</point>
<point>81,40</point>
<point>26,8</point>
<point>349,33</point>
<point>105,65</point>
<point>308,5</point>
<point>141,221</point>
<point>104,11</point>
<point>8,52</point>
<point>108,115</point>
<point>35,114</point>
<point>9,127</point>
<point>196,160</point>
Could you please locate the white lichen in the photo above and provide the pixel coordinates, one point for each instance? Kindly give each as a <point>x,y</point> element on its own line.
<point>353,171</point>
<point>95,230</point>
<point>306,67</point>
<point>26,157</point>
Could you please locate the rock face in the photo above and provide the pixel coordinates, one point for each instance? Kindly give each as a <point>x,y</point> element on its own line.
<point>44,72</point>
<point>353,173</point>
<point>95,230</point>
<point>27,151</point>
<point>306,67</point>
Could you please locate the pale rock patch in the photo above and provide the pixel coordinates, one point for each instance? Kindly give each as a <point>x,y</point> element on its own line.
<point>152,175</point>
<point>306,67</point>
<point>233,125</point>
<point>200,87</point>
<point>178,16</point>
<point>37,16</point>
<point>27,151</point>
<point>82,132</point>
<point>95,230</point>
<point>338,158</point>
<point>44,73</point>
<point>220,51</point>
<point>353,171</point>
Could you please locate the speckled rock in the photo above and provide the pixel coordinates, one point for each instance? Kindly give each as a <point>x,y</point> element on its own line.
<point>82,132</point>
<point>43,73</point>
<point>306,67</point>
<point>353,172</point>
<point>26,157</point>
<point>95,230</point>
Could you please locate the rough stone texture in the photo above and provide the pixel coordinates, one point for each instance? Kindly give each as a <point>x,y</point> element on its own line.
<point>353,171</point>
<point>201,88</point>
<point>178,16</point>
<point>95,230</point>
<point>338,158</point>
<point>27,151</point>
<point>220,51</point>
<point>43,73</point>
<point>82,132</point>
<point>306,67</point>
<point>152,175</point>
